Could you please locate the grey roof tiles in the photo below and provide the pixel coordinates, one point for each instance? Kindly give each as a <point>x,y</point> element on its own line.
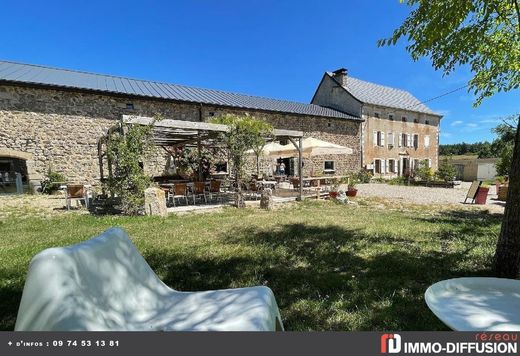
<point>381,95</point>
<point>45,76</point>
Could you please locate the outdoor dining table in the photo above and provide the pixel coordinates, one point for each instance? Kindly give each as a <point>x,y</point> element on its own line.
<point>267,183</point>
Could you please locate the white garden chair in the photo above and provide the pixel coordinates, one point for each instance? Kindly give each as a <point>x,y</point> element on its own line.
<point>104,284</point>
<point>476,303</point>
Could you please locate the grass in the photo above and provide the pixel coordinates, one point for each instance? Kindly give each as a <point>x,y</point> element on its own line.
<point>331,267</point>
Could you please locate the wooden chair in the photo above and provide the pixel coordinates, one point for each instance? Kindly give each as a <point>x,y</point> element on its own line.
<point>199,190</point>
<point>214,189</point>
<point>77,192</point>
<point>473,190</point>
<point>180,191</point>
<point>295,183</point>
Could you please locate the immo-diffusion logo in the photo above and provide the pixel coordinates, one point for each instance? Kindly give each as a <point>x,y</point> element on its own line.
<point>390,343</point>
<point>483,343</point>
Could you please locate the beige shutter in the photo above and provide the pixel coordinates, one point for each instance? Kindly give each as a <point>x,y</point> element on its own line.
<point>400,139</point>
<point>382,139</point>
<point>375,138</point>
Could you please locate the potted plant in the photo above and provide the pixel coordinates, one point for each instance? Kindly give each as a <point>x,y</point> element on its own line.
<point>482,194</point>
<point>334,189</point>
<point>352,184</point>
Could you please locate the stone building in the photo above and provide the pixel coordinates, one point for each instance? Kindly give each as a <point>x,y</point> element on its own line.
<point>398,131</point>
<point>54,117</point>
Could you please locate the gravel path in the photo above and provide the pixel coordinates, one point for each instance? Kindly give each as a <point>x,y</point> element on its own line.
<point>425,195</point>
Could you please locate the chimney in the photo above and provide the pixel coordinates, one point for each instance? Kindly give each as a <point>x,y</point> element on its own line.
<point>341,76</point>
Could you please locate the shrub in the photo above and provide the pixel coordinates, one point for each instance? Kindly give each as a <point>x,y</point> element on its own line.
<point>364,176</point>
<point>126,152</point>
<point>447,171</point>
<point>423,171</point>
<point>52,182</point>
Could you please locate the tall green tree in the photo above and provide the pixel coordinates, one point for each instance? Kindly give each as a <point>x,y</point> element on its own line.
<point>245,133</point>
<point>484,35</point>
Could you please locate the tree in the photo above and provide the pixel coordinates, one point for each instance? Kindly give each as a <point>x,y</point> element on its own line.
<point>423,171</point>
<point>503,145</point>
<point>484,35</point>
<point>245,133</point>
<point>446,170</point>
<point>127,152</point>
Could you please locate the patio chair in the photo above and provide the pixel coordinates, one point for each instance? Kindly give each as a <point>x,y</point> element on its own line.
<point>476,303</point>
<point>199,190</point>
<point>76,192</point>
<point>295,183</point>
<point>472,191</point>
<point>104,284</point>
<point>214,189</point>
<point>180,191</point>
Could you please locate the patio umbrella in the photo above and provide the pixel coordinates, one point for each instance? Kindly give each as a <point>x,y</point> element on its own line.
<point>311,147</point>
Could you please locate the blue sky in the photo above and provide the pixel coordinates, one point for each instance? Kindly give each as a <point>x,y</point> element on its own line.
<point>270,48</point>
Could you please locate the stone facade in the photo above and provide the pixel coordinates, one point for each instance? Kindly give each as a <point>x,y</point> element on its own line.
<point>383,151</point>
<point>394,152</point>
<point>60,129</point>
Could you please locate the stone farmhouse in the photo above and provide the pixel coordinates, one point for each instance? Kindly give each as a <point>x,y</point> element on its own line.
<point>52,117</point>
<point>398,130</point>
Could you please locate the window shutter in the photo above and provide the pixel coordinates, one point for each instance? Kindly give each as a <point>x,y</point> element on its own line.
<point>426,141</point>
<point>375,138</point>
<point>409,139</point>
<point>382,139</point>
<point>400,139</point>
<point>429,163</point>
<point>383,161</point>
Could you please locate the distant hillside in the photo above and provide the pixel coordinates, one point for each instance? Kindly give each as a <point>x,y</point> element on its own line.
<point>481,149</point>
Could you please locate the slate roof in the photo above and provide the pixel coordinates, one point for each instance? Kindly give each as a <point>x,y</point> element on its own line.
<point>381,95</point>
<point>46,76</point>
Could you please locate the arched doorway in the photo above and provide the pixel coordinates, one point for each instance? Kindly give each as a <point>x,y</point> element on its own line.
<point>15,171</point>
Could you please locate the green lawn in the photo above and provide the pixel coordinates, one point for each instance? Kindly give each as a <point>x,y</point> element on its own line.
<point>331,267</point>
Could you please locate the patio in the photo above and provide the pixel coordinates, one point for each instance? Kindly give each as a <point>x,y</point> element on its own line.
<point>219,189</point>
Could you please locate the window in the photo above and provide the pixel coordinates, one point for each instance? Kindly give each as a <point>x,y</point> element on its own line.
<point>390,139</point>
<point>391,166</point>
<point>376,115</point>
<point>426,141</point>
<point>416,121</point>
<point>415,141</point>
<point>377,166</point>
<point>221,166</point>
<point>328,166</point>
<point>404,140</point>
<point>409,140</point>
<point>391,117</point>
<point>426,122</point>
<point>129,106</point>
<point>329,124</point>
<point>379,138</point>
<point>211,113</point>
<point>403,119</point>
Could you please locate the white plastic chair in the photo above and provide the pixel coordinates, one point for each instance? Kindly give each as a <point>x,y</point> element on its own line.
<point>476,303</point>
<point>104,284</point>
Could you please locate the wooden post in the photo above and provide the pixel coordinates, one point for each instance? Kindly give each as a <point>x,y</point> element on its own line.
<point>300,166</point>
<point>199,151</point>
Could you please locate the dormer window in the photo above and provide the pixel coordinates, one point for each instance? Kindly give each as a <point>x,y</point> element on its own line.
<point>391,117</point>
<point>426,122</point>
<point>130,106</point>
<point>376,115</point>
<point>403,119</point>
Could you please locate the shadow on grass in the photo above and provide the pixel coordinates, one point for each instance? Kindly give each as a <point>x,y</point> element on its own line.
<point>324,278</point>
<point>328,277</point>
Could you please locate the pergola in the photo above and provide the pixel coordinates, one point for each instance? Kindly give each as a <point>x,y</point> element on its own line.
<point>170,134</point>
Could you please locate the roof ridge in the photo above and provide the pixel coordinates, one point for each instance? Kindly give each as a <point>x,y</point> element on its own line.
<point>159,82</point>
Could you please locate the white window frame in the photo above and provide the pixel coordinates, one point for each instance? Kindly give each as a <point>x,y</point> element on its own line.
<point>333,166</point>
<point>426,141</point>
<point>414,141</point>
<point>390,139</point>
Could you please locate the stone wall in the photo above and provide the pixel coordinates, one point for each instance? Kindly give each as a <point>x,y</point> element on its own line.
<point>416,123</point>
<point>60,128</point>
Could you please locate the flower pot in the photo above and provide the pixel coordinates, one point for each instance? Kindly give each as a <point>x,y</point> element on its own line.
<point>482,194</point>
<point>351,192</point>
<point>333,195</point>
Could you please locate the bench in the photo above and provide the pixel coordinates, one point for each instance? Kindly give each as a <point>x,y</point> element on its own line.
<point>104,284</point>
